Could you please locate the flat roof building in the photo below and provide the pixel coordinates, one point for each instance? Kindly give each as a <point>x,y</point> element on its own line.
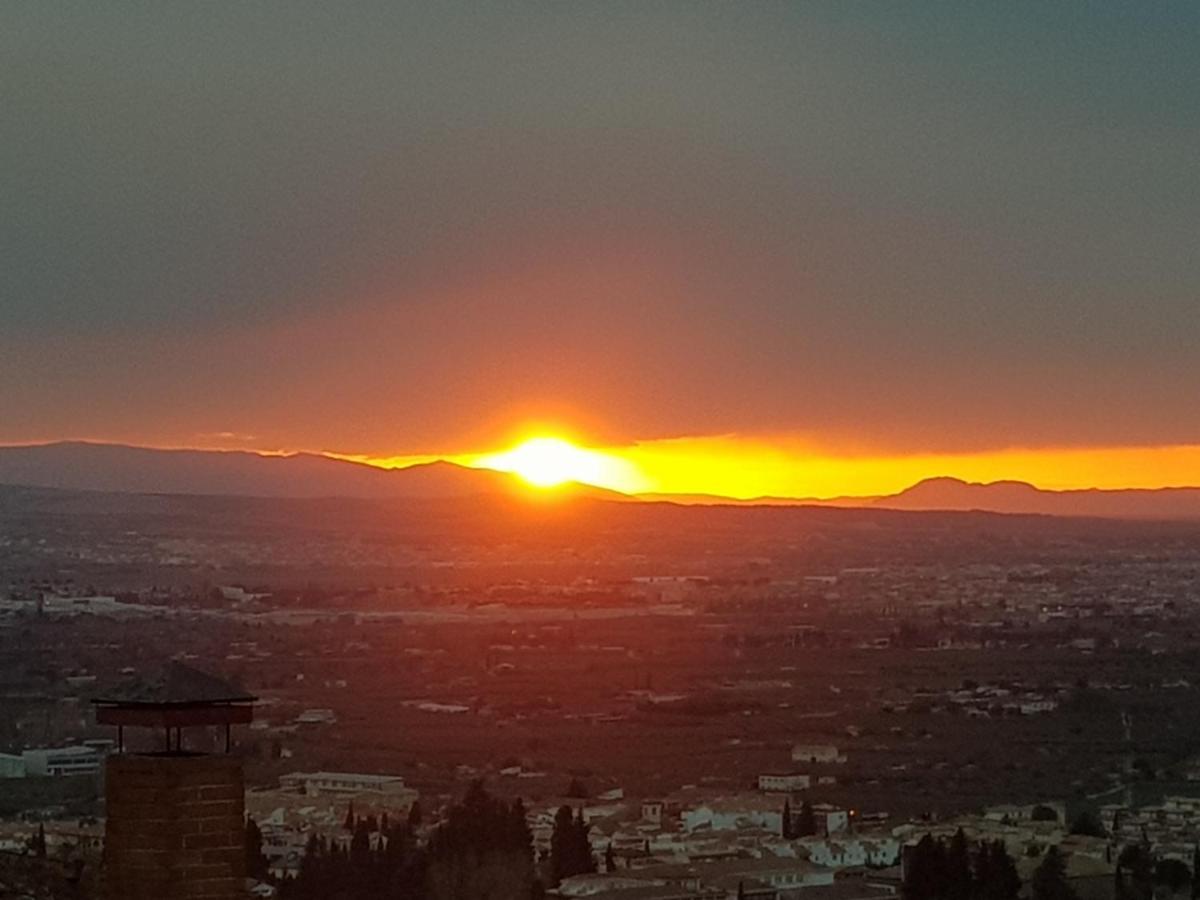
<point>342,783</point>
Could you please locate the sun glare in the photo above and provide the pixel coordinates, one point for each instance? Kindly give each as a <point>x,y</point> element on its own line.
<point>550,461</point>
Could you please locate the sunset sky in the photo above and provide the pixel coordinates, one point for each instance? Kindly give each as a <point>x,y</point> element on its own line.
<point>802,249</point>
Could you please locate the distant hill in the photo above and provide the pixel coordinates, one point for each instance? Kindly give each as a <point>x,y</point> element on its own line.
<point>120,468</point>
<point>953,494</point>
<point>1021,497</point>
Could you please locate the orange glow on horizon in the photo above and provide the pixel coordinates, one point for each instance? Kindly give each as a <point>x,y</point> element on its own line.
<point>786,467</point>
<point>550,461</point>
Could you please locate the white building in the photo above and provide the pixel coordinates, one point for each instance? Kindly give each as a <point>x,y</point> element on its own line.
<point>56,761</point>
<point>12,766</point>
<point>737,812</point>
<point>816,753</point>
<point>316,717</point>
<point>784,783</point>
<point>1011,812</point>
<point>345,784</point>
<point>652,811</point>
<point>850,851</point>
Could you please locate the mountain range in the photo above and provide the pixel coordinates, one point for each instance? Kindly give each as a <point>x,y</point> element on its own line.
<point>126,469</point>
<point>1017,497</point>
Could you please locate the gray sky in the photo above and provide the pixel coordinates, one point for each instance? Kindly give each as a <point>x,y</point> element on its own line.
<point>366,228</point>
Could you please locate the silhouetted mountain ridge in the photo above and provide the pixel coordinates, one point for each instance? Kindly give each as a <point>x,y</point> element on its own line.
<point>121,468</point>
<point>142,470</point>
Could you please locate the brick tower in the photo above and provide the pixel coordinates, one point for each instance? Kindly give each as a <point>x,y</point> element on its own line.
<point>176,818</point>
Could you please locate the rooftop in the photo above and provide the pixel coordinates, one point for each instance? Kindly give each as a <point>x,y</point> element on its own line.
<point>344,776</point>
<point>175,684</point>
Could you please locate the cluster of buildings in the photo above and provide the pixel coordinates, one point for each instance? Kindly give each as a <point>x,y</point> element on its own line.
<point>698,844</point>
<point>1171,828</point>
<point>981,700</point>
<point>317,803</point>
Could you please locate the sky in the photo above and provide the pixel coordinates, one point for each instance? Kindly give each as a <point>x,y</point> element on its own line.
<point>812,248</point>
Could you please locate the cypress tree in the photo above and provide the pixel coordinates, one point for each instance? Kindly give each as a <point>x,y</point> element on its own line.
<point>787,830</point>
<point>983,878</point>
<point>256,862</point>
<point>360,844</point>
<point>585,862</point>
<point>957,885</point>
<point>921,876</point>
<point>561,846</point>
<point>807,824</point>
<point>1004,873</point>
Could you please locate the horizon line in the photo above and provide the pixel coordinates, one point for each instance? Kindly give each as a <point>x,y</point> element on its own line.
<point>652,495</point>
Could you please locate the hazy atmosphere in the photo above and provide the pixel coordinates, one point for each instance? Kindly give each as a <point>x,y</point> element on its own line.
<point>833,230</point>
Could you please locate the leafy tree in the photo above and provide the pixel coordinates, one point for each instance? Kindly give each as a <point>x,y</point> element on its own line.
<point>570,849</point>
<point>1135,861</point>
<point>1172,874</point>
<point>576,790</point>
<point>394,869</point>
<point>482,849</point>
<point>1043,813</point>
<point>1196,873</point>
<point>414,815</point>
<point>1088,823</point>
<point>1050,878</point>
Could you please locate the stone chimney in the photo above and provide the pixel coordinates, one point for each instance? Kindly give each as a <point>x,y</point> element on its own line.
<point>175,818</point>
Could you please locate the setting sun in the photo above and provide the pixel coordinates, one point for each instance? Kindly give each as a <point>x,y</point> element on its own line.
<point>550,461</point>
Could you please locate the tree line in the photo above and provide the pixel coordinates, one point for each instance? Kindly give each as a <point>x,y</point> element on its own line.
<point>935,869</point>
<point>482,849</point>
